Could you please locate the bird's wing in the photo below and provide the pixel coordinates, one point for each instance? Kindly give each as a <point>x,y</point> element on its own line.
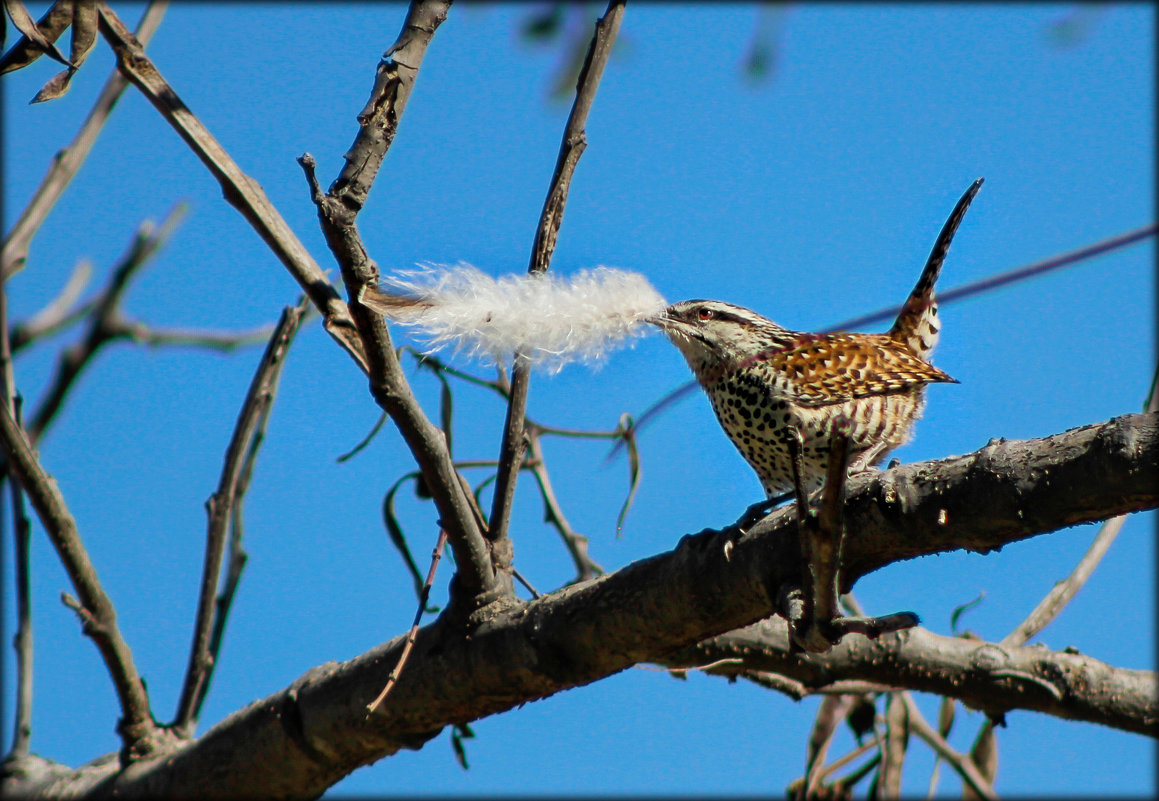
<point>819,370</point>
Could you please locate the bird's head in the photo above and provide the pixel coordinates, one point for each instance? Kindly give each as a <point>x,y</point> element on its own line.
<point>712,334</point>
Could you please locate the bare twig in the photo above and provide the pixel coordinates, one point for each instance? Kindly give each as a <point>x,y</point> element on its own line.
<point>241,191</point>
<point>106,323</point>
<point>961,763</point>
<point>830,714</point>
<point>22,530</point>
<point>546,233</point>
<point>69,160</point>
<point>894,745</point>
<point>221,341</point>
<point>1062,592</point>
<point>136,726</point>
<point>856,776</point>
<point>221,506</point>
<point>413,634</point>
<point>236,560</point>
<point>22,719</point>
<point>60,313</point>
<point>378,121</point>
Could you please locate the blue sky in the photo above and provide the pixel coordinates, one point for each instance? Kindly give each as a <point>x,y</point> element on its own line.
<point>812,197</point>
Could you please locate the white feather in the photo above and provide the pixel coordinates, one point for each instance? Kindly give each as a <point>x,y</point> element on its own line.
<point>555,320</point>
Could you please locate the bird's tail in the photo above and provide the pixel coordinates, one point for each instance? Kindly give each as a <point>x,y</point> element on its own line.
<point>917,325</point>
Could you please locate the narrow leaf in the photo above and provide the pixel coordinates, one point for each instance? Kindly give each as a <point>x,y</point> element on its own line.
<point>628,437</point>
<point>37,38</point>
<point>365,440</point>
<point>446,407</point>
<point>960,610</point>
<point>460,732</point>
<point>394,530</point>
<point>84,30</point>
<point>984,754</point>
<point>56,86</point>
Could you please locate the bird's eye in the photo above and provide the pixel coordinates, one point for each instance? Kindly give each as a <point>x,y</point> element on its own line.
<point>705,314</point>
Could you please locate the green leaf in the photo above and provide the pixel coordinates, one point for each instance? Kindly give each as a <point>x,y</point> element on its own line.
<point>460,732</point>
<point>544,25</point>
<point>365,440</point>
<point>628,437</point>
<point>394,530</point>
<point>960,610</point>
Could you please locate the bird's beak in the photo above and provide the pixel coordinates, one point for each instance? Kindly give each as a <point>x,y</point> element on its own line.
<point>662,320</point>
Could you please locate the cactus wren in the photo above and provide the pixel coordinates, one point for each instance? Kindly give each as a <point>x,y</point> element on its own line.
<point>769,385</point>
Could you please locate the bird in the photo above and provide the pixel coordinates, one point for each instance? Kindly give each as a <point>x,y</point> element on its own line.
<point>775,390</point>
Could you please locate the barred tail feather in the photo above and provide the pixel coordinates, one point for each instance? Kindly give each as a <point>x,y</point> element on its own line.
<point>917,325</point>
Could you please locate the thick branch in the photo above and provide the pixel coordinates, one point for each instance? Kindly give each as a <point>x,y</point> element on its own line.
<point>1025,487</point>
<point>301,740</point>
<point>241,191</point>
<point>987,676</point>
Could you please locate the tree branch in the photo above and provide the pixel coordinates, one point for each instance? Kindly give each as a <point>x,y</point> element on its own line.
<point>1021,483</point>
<point>337,212</point>
<point>220,506</point>
<point>69,160</point>
<point>61,312</point>
<point>393,82</point>
<point>105,323</point>
<point>21,531</point>
<point>299,741</point>
<point>546,234</point>
<point>984,675</point>
<point>240,191</point>
<point>137,728</point>
<point>1061,594</point>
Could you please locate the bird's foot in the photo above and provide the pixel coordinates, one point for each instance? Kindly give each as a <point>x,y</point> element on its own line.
<point>760,510</point>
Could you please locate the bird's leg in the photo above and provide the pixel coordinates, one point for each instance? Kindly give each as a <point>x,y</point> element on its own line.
<point>820,539</point>
<point>819,624</point>
<point>801,603</point>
